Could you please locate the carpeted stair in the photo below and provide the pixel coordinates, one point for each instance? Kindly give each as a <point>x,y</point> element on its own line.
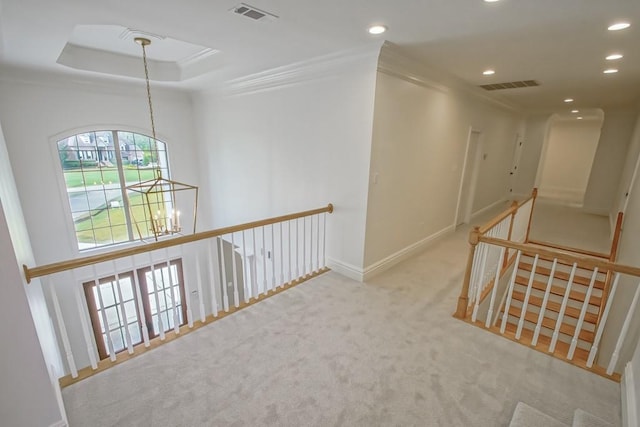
<point>526,416</point>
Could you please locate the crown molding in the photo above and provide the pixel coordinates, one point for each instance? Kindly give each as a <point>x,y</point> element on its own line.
<point>312,69</point>
<point>395,62</point>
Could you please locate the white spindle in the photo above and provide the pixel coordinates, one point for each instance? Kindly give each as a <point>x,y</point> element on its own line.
<point>297,248</point>
<point>318,242</point>
<point>290,253</point>
<point>157,298</point>
<point>213,277</point>
<point>310,268</point>
<point>545,300</point>
<point>254,267</point>
<point>245,271</point>
<point>304,246</point>
<point>282,282</point>
<point>324,240</point>
<point>123,311</point>
<point>187,291</point>
<point>479,289</point>
<point>91,352</point>
<point>624,331</point>
<point>63,329</point>
<point>236,296</point>
<point>583,313</point>
<point>603,321</point>
<point>105,321</point>
<point>203,316</point>
<point>174,306</point>
<point>507,306</point>
<point>563,308</point>
<point>274,283</point>
<point>527,295</point>
<point>223,267</point>
<point>138,294</point>
<point>475,266</point>
<point>265,283</point>
<point>494,291</point>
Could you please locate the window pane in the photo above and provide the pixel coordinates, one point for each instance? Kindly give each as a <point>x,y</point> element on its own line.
<point>113,317</point>
<point>108,297</point>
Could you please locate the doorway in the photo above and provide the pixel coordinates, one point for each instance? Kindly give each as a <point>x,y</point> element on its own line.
<point>471,169</point>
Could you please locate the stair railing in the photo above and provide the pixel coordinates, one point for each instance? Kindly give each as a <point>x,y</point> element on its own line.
<point>190,281</point>
<point>487,264</point>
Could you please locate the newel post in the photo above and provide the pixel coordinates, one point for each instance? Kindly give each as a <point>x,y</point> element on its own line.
<point>463,299</point>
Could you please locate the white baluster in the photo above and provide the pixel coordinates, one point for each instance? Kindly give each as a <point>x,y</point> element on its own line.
<point>324,240</point>
<point>91,352</point>
<point>273,259</point>
<point>110,350</point>
<point>310,269</point>
<point>123,310</point>
<point>174,306</point>
<point>545,301</point>
<point>282,282</point>
<point>624,331</point>
<point>603,321</point>
<point>583,313</point>
<point>138,294</point>
<point>203,316</point>
<point>297,249</point>
<point>479,289</point>
<point>223,267</point>
<point>527,295</point>
<point>63,329</point>
<point>213,276</point>
<point>187,291</point>
<point>236,296</point>
<point>507,306</point>
<point>245,271</point>
<point>494,291</point>
<point>563,308</point>
<point>161,327</point>
<point>318,242</point>
<point>304,246</point>
<point>290,253</point>
<point>264,262</point>
<point>254,266</point>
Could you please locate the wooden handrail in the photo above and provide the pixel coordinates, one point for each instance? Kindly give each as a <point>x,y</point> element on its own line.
<point>511,210</point>
<point>570,249</point>
<point>45,270</point>
<point>590,263</point>
<point>613,254</point>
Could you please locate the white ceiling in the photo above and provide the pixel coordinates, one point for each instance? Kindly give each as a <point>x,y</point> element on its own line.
<point>560,43</point>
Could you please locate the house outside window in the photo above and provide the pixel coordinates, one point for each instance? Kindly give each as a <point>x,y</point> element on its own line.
<point>97,167</point>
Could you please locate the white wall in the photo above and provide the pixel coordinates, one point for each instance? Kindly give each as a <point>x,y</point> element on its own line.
<point>567,160</point>
<point>626,176</point>
<point>537,128</point>
<point>34,109</point>
<point>609,161</point>
<point>420,136</point>
<point>27,395</point>
<point>291,146</point>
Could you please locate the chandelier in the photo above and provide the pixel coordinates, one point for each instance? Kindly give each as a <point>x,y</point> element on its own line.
<point>163,200</point>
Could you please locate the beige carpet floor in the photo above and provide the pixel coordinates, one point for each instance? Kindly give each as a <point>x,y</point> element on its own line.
<point>335,352</point>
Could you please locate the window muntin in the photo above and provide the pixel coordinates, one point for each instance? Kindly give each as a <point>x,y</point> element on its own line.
<point>97,166</point>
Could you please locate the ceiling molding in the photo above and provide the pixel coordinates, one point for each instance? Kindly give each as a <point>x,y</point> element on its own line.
<point>395,62</point>
<point>303,71</point>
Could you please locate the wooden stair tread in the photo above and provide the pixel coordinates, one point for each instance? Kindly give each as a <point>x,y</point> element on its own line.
<point>551,324</point>
<point>554,306</point>
<point>557,290</point>
<point>561,350</point>
<point>543,271</point>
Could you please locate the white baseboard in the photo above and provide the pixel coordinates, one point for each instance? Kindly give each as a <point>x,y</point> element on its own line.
<point>348,270</point>
<point>487,208</point>
<point>629,410</point>
<point>403,254</point>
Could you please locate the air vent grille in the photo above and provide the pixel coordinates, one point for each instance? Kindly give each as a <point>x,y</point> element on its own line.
<point>510,85</point>
<point>252,12</point>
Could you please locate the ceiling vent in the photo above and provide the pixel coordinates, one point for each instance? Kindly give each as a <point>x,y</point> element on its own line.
<point>510,85</point>
<point>252,12</point>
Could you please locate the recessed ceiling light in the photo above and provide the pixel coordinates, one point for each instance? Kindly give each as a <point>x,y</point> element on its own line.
<point>614,56</point>
<point>610,71</point>
<point>488,72</point>
<point>619,26</point>
<point>491,1</point>
<point>575,111</point>
<point>579,117</point>
<point>568,100</point>
<point>377,29</point>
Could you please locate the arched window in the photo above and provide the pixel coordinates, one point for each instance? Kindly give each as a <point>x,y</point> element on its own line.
<point>97,167</point>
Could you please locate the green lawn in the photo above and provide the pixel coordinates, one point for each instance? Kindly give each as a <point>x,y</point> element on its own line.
<point>101,223</point>
<point>97,176</point>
